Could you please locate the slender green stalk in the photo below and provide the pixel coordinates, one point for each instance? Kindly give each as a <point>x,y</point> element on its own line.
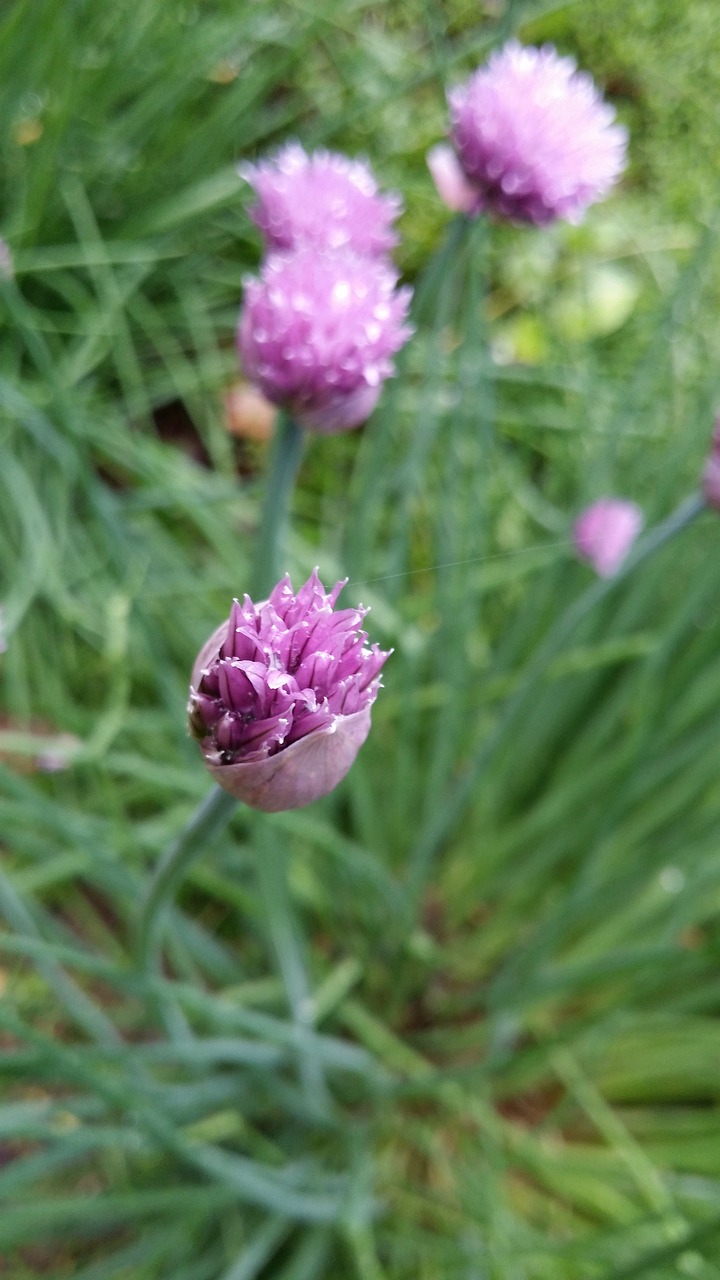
<point>285,937</point>
<point>215,811</point>
<point>287,451</point>
<point>450,813</point>
<point>208,820</point>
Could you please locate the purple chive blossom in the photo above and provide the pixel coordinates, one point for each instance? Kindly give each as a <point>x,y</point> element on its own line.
<point>317,333</point>
<point>281,694</point>
<point>323,199</point>
<point>534,137</point>
<point>711,474</point>
<point>604,533</point>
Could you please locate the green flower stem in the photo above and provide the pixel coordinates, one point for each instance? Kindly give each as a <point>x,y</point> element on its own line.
<point>287,449</point>
<point>434,277</point>
<point>209,819</point>
<point>286,940</point>
<point>213,814</point>
<point>449,814</point>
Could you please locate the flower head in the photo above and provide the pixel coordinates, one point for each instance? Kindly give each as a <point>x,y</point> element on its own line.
<point>281,694</point>
<point>604,533</point>
<point>534,137</point>
<point>711,474</point>
<point>317,333</point>
<point>324,199</point>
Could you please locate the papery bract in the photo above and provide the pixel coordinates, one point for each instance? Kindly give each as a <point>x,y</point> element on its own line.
<point>451,184</point>
<point>605,532</point>
<point>324,199</point>
<point>281,693</point>
<point>534,137</point>
<point>317,333</point>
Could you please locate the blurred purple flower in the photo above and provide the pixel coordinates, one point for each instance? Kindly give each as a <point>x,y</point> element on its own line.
<point>534,137</point>
<point>604,533</point>
<point>324,199</point>
<point>317,331</point>
<point>711,474</point>
<point>281,693</point>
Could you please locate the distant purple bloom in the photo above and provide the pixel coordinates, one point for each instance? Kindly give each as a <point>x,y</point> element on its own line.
<point>604,533</point>
<point>324,199</point>
<point>317,333</point>
<point>281,694</point>
<point>534,137</point>
<point>711,474</point>
<point>58,754</point>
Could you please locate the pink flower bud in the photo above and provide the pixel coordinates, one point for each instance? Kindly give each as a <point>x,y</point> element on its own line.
<point>451,184</point>
<point>281,693</point>
<point>533,136</point>
<point>604,533</point>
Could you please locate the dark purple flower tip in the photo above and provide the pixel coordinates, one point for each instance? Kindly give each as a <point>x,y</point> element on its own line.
<point>323,199</point>
<point>534,137</point>
<point>317,334</point>
<point>281,693</point>
<point>605,532</point>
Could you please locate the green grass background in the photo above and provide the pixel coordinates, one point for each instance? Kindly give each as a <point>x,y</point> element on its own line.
<point>481,1037</point>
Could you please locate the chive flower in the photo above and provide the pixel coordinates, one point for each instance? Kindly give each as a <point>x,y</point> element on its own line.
<point>281,694</point>
<point>324,199</point>
<point>605,532</point>
<point>318,331</point>
<point>533,137</point>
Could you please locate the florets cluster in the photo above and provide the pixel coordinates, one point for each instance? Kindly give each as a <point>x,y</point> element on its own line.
<point>324,199</point>
<point>318,331</point>
<point>279,671</point>
<point>534,137</point>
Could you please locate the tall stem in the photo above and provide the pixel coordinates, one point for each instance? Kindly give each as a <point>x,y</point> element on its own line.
<point>213,814</point>
<point>450,813</point>
<point>209,819</point>
<point>287,448</point>
<point>285,937</point>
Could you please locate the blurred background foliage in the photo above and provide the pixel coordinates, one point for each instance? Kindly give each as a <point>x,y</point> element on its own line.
<point>483,1039</point>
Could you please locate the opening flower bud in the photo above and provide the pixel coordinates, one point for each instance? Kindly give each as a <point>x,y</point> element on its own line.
<point>281,693</point>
